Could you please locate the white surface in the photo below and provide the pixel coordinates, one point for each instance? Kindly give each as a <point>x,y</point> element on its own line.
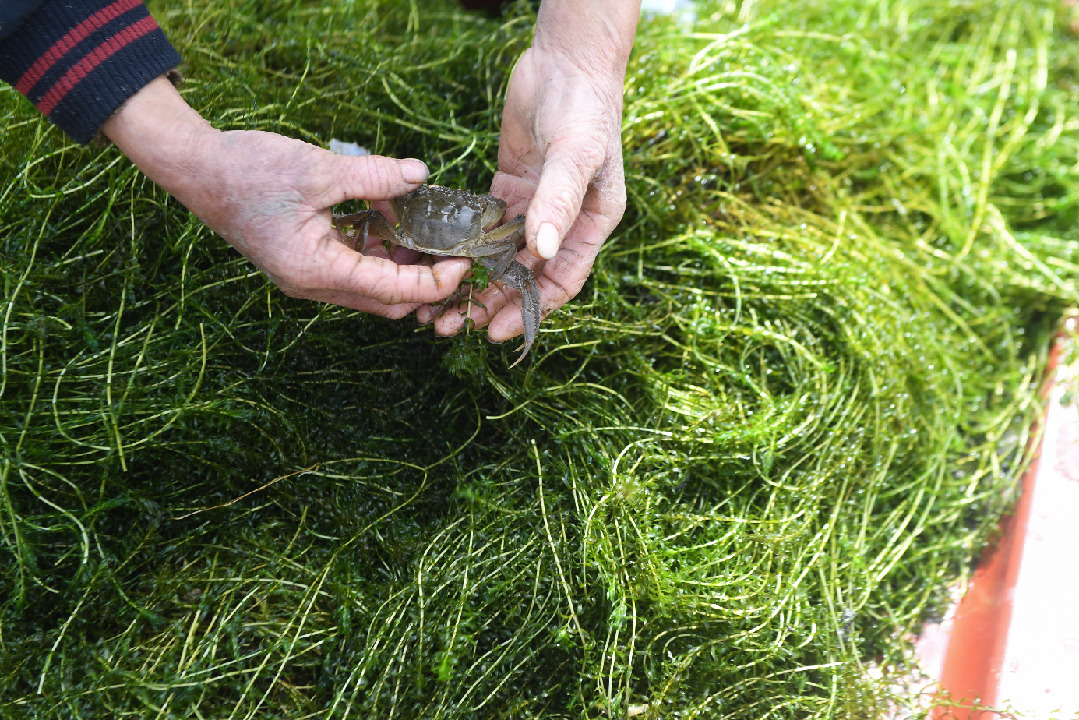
<point>669,7</point>
<point>1040,675</point>
<point>347,148</point>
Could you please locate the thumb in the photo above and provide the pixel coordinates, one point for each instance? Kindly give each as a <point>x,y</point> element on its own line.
<point>371,177</point>
<point>567,171</point>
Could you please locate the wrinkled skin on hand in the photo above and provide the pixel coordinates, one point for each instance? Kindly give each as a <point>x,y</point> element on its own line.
<point>560,163</point>
<point>270,197</point>
<point>278,215</point>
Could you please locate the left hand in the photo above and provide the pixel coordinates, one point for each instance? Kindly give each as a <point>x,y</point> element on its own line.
<point>271,196</point>
<point>560,163</point>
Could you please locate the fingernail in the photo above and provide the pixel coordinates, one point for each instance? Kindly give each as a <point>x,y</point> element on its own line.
<point>547,240</point>
<point>413,171</point>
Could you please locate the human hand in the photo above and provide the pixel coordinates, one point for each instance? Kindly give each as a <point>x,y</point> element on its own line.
<point>270,197</point>
<point>560,163</point>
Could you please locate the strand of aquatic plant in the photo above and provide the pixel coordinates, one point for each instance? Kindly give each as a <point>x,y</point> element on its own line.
<point>746,462</point>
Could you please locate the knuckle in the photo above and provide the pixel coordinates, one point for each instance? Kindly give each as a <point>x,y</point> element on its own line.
<point>592,153</point>
<point>376,173</point>
<point>386,288</point>
<point>564,202</point>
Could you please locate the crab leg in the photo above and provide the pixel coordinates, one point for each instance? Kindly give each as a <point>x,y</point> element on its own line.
<point>520,278</point>
<point>373,222</point>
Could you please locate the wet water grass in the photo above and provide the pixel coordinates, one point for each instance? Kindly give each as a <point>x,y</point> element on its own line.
<point>783,416</point>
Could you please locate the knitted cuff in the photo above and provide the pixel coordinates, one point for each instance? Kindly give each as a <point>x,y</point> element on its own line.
<point>79,60</point>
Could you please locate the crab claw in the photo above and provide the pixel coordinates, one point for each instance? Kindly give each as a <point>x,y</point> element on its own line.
<point>520,278</point>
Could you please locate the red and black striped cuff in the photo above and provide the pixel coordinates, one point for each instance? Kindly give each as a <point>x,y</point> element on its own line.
<point>79,60</point>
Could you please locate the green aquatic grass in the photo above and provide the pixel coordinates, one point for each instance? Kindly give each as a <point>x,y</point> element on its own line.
<point>740,469</point>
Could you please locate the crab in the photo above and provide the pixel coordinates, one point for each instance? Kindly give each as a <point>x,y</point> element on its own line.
<point>443,221</point>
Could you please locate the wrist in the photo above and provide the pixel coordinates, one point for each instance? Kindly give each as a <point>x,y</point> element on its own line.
<point>162,135</point>
<point>595,35</point>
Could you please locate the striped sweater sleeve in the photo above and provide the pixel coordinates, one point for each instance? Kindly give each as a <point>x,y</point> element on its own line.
<point>78,60</point>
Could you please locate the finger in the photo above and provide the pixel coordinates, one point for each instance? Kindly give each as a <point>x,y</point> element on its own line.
<point>426,313</point>
<point>570,166</point>
<point>371,307</point>
<point>372,177</point>
<point>451,320</point>
<point>506,324</point>
<point>565,274</point>
<point>479,309</point>
<point>556,288</point>
<point>559,281</point>
<point>380,279</point>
